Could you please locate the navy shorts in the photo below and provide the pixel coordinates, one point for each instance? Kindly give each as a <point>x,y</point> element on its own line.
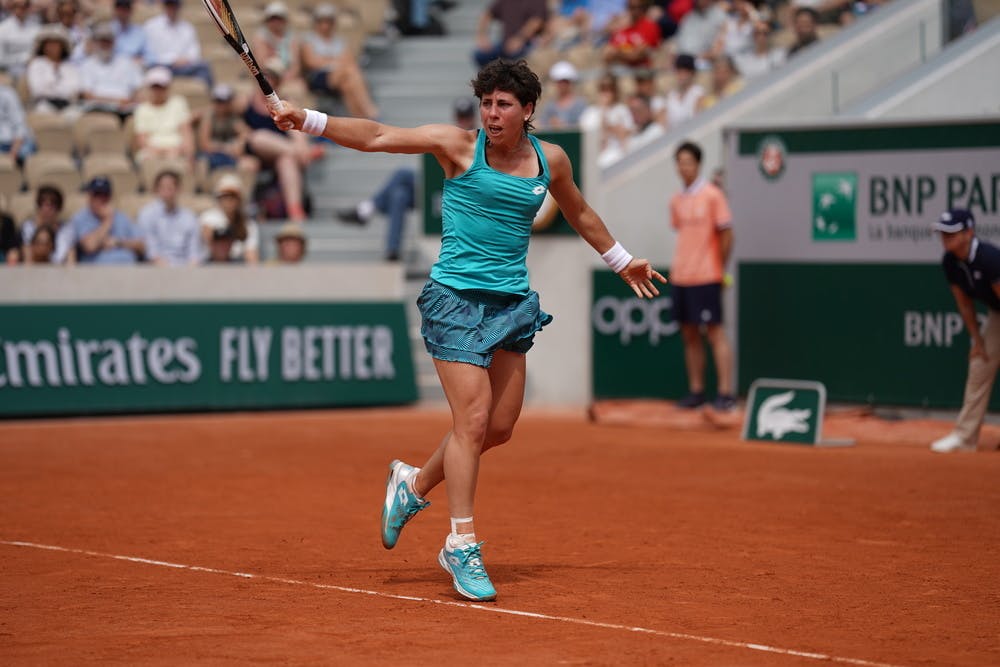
<point>471,325</point>
<point>698,304</point>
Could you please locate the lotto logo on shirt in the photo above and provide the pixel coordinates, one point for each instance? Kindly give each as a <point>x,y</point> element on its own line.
<point>834,214</point>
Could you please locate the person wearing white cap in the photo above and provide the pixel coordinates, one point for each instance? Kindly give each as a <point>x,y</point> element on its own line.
<point>163,122</point>
<point>972,269</point>
<point>567,106</point>
<point>331,67</point>
<point>173,42</point>
<point>53,81</point>
<point>275,41</point>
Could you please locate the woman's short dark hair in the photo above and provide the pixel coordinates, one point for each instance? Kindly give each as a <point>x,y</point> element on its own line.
<point>515,78</point>
<point>689,147</point>
<point>49,192</point>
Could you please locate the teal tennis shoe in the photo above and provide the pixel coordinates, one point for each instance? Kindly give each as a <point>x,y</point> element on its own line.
<point>401,504</point>
<point>465,565</point>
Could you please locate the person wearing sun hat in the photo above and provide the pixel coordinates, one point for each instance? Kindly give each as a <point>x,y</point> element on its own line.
<point>53,81</point>
<point>972,269</point>
<point>228,224</point>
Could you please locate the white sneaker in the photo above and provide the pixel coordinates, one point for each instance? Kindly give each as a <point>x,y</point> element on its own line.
<point>951,443</point>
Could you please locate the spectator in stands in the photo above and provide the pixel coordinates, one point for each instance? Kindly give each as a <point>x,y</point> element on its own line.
<point>398,194</point>
<point>683,98</point>
<point>288,154</point>
<point>162,122</point>
<point>645,85</point>
<point>736,36</point>
<point>274,41</point>
<point>17,37</point>
<point>15,135</point>
<point>227,229</point>
<point>109,81</point>
<point>130,38</point>
<point>668,15</point>
<point>633,44</point>
<point>172,42</point>
<point>610,117</point>
<point>726,81</point>
<point>647,129</point>
<point>10,246</point>
<point>172,233</point>
<point>415,17</point>
<point>569,24</point>
<point>222,134</point>
<point>48,212</point>
<point>605,17</point>
<point>331,67</point>
<point>290,243</point>
<point>763,57</point>
<point>99,233</point>
<point>40,249</point>
<point>804,27</point>
<point>699,29</point>
<point>701,217</point>
<point>53,81</point>
<point>522,23</point>
<point>68,16</point>
<point>565,109</point>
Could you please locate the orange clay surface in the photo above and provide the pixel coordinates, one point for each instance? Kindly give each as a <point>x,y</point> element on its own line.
<point>641,539</point>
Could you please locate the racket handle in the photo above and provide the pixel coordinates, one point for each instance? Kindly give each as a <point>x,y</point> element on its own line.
<point>274,103</point>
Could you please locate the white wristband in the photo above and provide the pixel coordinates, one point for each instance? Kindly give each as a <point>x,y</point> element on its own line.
<point>617,257</point>
<point>315,122</point>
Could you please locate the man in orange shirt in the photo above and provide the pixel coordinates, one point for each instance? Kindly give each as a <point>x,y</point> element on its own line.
<point>701,216</point>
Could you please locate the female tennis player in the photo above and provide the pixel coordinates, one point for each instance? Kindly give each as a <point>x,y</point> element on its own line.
<point>479,316</point>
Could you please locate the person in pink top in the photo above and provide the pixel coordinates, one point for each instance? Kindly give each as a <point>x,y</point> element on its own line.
<point>701,216</point>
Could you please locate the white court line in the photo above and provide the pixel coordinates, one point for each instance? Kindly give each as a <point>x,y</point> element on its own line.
<point>466,605</point>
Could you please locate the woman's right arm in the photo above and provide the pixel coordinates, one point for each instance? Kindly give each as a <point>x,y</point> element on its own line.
<point>448,143</point>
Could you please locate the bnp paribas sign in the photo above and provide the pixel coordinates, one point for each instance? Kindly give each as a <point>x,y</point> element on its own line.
<point>861,192</point>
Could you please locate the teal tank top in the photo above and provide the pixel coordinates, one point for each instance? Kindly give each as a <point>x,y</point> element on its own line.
<point>486,225</point>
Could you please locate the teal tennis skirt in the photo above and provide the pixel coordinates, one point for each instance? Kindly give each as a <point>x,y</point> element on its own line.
<point>471,325</point>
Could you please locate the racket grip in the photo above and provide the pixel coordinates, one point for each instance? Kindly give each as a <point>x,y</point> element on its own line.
<point>274,102</point>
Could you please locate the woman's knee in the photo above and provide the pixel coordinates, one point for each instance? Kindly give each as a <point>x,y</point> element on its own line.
<point>497,436</point>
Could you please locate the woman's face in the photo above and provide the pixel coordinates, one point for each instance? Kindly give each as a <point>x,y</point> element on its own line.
<point>47,212</point>
<point>229,203</point>
<point>53,49</point>
<point>42,246</point>
<point>502,115</point>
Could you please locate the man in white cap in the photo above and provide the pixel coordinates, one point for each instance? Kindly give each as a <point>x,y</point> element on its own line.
<point>566,107</point>
<point>972,268</point>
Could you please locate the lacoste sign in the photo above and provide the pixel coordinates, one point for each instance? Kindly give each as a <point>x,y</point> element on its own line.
<point>785,411</point>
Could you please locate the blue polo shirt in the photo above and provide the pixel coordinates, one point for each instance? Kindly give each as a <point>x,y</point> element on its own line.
<point>977,276</point>
<point>84,222</point>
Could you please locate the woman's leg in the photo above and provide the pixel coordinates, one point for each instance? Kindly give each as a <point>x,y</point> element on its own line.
<point>349,80</point>
<point>506,377</point>
<point>275,149</point>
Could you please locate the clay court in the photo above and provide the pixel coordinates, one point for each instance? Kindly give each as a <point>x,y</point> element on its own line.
<point>253,538</point>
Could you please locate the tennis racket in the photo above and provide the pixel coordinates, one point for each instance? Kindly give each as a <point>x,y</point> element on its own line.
<point>224,17</point>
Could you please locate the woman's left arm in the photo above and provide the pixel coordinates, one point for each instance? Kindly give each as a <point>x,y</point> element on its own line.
<point>636,272</point>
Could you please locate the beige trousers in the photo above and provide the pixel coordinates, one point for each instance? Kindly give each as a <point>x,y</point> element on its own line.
<point>979,384</point>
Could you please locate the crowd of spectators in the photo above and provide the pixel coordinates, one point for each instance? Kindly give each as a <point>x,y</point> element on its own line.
<point>612,63</point>
<point>185,117</point>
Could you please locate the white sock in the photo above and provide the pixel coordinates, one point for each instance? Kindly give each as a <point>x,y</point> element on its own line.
<point>459,540</point>
<point>410,480</point>
<point>366,209</point>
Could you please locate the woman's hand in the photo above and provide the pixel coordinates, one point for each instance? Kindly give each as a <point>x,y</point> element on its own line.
<point>289,118</point>
<point>639,276</point>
